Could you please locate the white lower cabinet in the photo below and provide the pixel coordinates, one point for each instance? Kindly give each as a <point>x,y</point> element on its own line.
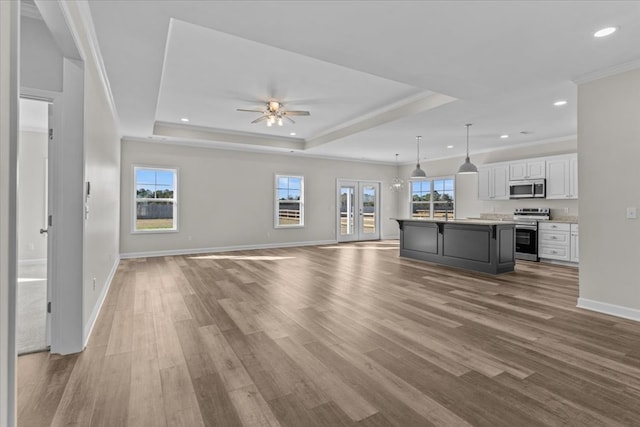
<point>554,241</point>
<point>575,245</point>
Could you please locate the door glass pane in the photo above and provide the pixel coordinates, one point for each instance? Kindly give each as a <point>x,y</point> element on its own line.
<point>369,209</point>
<point>347,210</point>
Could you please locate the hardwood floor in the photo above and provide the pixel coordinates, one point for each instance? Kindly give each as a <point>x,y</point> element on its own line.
<point>344,335</point>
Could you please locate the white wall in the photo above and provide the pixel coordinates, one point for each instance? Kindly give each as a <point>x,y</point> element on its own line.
<point>86,148</point>
<point>212,179</point>
<point>226,198</point>
<point>467,203</point>
<point>101,146</point>
<point>40,58</point>
<point>32,246</point>
<point>9,83</point>
<point>609,149</point>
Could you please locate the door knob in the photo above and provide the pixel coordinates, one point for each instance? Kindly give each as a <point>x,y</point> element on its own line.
<point>43,230</point>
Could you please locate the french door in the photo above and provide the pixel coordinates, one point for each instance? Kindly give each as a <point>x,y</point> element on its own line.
<point>358,208</point>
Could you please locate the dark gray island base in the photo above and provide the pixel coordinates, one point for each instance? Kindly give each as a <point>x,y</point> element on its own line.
<point>485,246</point>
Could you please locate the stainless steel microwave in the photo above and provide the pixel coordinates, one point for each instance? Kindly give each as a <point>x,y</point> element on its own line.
<point>527,189</point>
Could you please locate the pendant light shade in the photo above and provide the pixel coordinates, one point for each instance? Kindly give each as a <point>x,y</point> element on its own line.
<point>417,172</point>
<point>467,166</point>
<point>397,183</point>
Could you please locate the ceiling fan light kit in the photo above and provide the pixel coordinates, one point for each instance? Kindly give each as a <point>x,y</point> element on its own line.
<point>467,166</point>
<point>274,112</point>
<point>417,172</point>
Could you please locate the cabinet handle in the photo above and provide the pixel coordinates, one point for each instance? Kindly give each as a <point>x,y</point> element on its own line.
<point>554,252</point>
<point>554,237</point>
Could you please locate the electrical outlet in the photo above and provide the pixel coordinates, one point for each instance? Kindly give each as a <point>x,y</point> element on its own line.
<point>94,283</point>
<point>566,210</point>
<point>632,213</point>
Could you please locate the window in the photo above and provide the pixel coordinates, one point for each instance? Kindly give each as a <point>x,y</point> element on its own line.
<point>433,198</point>
<point>289,201</point>
<point>155,206</point>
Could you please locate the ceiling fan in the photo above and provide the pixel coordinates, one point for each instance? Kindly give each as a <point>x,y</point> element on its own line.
<point>274,113</point>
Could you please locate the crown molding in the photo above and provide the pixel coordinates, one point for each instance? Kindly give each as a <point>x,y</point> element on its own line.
<point>84,13</point>
<point>606,72</point>
<point>29,9</point>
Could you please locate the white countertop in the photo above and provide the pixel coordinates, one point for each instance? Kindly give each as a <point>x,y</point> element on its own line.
<point>458,221</point>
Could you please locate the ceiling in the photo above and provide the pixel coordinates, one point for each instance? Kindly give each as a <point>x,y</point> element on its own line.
<point>373,74</point>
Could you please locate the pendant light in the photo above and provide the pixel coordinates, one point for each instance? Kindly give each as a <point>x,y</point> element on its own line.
<point>467,166</point>
<point>417,172</point>
<point>397,183</point>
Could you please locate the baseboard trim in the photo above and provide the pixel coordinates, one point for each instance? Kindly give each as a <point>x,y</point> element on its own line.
<point>88,329</point>
<point>173,252</point>
<point>612,309</point>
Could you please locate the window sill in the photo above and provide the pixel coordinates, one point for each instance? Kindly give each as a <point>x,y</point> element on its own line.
<point>155,231</point>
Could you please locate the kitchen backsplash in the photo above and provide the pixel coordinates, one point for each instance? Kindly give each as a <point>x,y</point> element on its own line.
<point>554,216</point>
<point>496,216</point>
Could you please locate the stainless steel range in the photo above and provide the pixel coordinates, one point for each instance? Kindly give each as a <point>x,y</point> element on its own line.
<point>526,220</point>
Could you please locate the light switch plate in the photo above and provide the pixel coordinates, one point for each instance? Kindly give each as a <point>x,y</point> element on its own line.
<point>632,213</point>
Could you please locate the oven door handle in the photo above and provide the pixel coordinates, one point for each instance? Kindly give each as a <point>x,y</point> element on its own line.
<point>526,227</point>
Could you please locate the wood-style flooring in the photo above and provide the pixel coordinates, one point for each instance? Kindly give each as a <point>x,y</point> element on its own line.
<point>342,335</point>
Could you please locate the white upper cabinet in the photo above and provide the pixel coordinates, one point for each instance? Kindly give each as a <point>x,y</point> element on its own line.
<point>560,172</point>
<point>533,169</point>
<point>573,174</point>
<point>493,182</point>
<point>562,177</point>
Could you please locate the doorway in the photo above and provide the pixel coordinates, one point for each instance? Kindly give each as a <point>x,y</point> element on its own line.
<point>358,210</point>
<point>33,284</point>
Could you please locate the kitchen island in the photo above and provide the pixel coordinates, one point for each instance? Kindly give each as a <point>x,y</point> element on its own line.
<point>478,245</point>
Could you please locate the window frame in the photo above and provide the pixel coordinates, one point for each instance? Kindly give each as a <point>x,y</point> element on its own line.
<point>174,199</point>
<point>431,202</point>
<point>276,213</point>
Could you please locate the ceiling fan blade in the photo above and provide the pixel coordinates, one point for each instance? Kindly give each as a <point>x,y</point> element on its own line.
<point>260,119</point>
<point>296,113</point>
<point>250,111</point>
<point>290,119</point>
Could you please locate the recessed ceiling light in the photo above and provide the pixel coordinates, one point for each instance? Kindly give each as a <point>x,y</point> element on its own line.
<point>449,146</point>
<point>292,134</point>
<point>504,136</point>
<point>560,103</point>
<point>184,119</point>
<point>604,32</point>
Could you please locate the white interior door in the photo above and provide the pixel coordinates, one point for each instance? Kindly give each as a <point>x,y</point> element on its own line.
<point>33,284</point>
<point>49,195</point>
<point>358,207</point>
